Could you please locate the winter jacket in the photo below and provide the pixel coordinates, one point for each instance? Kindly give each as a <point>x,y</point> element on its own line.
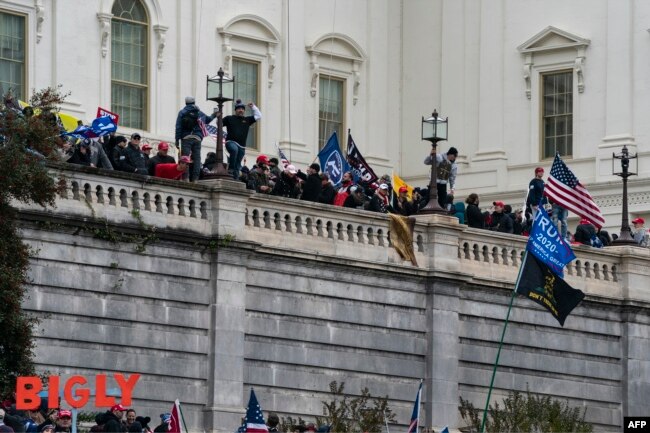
<point>180,132</point>
<point>311,189</point>
<point>474,217</point>
<point>501,222</point>
<point>327,194</point>
<point>286,186</point>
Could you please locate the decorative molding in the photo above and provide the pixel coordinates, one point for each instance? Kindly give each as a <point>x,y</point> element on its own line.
<point>160,31</point>
<point>549,40</point>
<point>254,29</point>
<point>40,17</point>
<point>315,72</point>
<point>270,59</point>
<point>342,48</point>
<point>105,30</point>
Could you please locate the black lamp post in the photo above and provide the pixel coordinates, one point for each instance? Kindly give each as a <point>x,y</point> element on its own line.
<point>625,238</point>
<point>220,89</point>
<point>434,129</point>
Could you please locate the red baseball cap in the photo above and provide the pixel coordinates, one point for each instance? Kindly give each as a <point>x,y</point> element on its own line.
<point>538,169</point>
<point>118,407</point>
<point>163,146</point>
<point>638,221</point>
<point>65,413</point>
<point>585,221</point>
<point>403,189</point>
<point>499,203</point>
<point>146,147</point>
<point>263,159</point>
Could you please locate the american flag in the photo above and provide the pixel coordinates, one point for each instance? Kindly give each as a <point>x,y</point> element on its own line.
<point>415,417</point>
<point>207,130</point>
<point>283,158</point>
<point>254,417</point>
<point>175,424</point>
<point>564,188</point>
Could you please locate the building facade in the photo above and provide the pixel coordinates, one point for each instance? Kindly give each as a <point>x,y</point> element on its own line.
<point>519,81</point>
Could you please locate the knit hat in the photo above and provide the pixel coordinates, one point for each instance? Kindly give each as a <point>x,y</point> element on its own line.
<point>165,417</point>
<point>189,100</point>
<point>452,151</point>
<point>239,104</point>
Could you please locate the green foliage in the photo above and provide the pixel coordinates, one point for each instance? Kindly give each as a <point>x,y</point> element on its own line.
<point>360,414</point>
<point>527,413</point>
<point>25,145</point>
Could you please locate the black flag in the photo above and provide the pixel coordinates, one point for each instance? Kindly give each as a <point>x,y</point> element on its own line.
<point>539,283</point>
<point>358,163</point>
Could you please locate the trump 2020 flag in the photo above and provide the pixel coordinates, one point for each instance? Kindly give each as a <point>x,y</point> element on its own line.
<point>254,416</point>
<point>415,417</point>
<point>175,422</point>
<point>332,161</point>
<point>546,244</point>
<point>358,163</point>
<point>538,283</point>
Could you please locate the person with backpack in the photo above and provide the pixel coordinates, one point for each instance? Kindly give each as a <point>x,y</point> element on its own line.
<point>189,134</point>
<point>237,126</point>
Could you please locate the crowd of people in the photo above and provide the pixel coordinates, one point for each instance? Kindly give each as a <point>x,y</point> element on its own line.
<point>267,176</point>
<point>118,419</point>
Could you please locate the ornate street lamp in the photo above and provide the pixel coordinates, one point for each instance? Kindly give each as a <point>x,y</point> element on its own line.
<point>625,238</point>
<point>434,129</point>
<point>220,89</point>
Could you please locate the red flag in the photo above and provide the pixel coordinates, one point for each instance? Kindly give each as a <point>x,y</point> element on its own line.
<point>175,423</point>
<point>564,188</point>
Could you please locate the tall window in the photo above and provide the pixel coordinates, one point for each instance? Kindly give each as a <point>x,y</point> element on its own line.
<point>12,54</point>
<point>129,72</point>
<point>246,75</point>
<point>330,111</point>
<point>557,114</point>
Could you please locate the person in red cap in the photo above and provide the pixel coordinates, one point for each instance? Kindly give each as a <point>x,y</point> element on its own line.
<point>112,420</point>
<point>258,178</point>
<point>173,171</point>
<point>536,192</point>
<point>403,205</point>
<point>640,231</point>
<point>160,158</point>
<point>146,151</point>
<point>501,221</point>
<point>586,233</point>
<point>64,421</point>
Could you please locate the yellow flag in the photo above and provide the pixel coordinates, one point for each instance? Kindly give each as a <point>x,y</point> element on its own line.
<point>69,122</point>
<point>398,183</point>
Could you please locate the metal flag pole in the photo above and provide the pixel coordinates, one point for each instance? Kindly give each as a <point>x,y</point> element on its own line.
<point>503,333</point>
<point>182,416</point>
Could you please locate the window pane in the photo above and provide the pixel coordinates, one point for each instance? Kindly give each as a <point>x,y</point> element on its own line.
<point>330,112</point>
<point>557,112</point>
<point>12,54</point>
<point>246,75</point>
<point>129,69</point>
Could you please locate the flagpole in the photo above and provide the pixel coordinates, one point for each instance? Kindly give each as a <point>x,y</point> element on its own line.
<point>503,333</point>
<point>417,425</point>
<point>182,417</point>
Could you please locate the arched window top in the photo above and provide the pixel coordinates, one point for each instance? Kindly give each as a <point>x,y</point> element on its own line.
<point>132,10</point>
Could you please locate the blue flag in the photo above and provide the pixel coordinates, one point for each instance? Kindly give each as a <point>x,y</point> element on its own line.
<point>254,417</point>
<point>332,161</point>
<point>103,126</point>
<point>415,417</point>
<point>547,245</point>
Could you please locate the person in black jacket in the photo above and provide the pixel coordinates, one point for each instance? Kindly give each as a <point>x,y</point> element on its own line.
<point>379,201</point>
<point>113,419</point>
<point>536,191</point>
<point>312,187</point>
<point>585,231</point>
<point>129,158</point>
<point>81,155</point>
<point>327,193</point>
<point>287,183</point>
<point>160,158</point>
<point>357,198</point>
<point>501,221</point>
<point>473,215</point>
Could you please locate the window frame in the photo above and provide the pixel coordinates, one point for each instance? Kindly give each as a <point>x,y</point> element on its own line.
<point>147,65</point>
<point>257,99</point>
<point>344,82</point>
<point>26,54</point>
<point>542,117</point>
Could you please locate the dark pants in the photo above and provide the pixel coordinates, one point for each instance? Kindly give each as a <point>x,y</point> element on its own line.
<point>442,195</point>
<point>235,157</point>
<point>192,148</point>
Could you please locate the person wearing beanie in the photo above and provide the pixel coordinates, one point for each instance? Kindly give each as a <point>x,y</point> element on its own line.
<point>446,172</point>
<point>237,126</point>
<point>189,134</point>
<point>311,187</point>
<point>536,192</point>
